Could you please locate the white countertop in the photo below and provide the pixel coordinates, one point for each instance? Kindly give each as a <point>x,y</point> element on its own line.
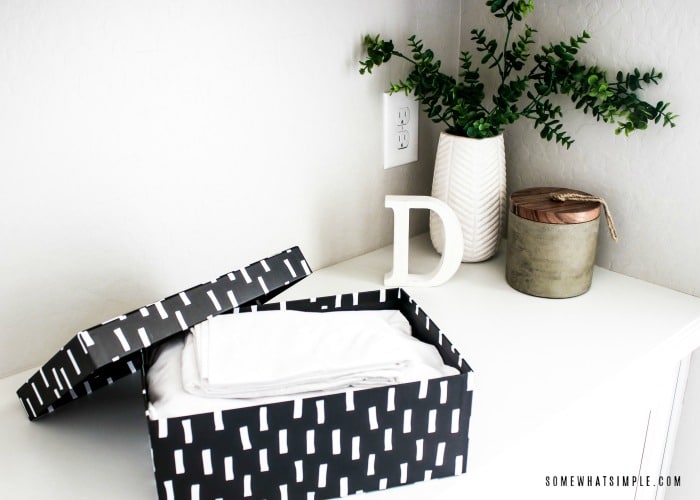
<point>550,377</point>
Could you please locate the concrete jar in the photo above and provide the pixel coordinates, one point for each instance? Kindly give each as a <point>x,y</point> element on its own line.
<point>551,244</point>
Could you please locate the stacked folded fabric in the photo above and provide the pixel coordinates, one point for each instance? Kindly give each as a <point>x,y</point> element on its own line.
<point>237,360</point>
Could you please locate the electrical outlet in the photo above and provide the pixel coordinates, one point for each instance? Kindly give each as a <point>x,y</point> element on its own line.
<point>403,115</point>
<point>400,129</point>
<point>403,139</point>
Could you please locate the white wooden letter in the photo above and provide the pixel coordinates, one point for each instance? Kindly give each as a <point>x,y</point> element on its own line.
<point>451,256</point>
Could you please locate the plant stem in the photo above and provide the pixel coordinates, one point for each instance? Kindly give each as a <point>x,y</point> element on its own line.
<point>506,69</point>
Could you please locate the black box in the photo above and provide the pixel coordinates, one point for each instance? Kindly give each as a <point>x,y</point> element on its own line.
<point>311,448</point>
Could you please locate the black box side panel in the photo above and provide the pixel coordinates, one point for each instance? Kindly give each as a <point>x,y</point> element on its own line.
<point>332,446</point>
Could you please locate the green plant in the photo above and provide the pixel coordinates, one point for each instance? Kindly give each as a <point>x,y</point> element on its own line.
<point>461,104</point>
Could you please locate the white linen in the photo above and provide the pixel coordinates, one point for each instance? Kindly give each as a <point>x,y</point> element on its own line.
<point>274,353</point>
<point>273,356</point>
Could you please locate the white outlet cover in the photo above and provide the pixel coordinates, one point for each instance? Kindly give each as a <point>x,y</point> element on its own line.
<point>400,129</point>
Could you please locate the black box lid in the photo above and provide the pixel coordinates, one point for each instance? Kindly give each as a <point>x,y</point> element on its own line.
<point>98,356</point>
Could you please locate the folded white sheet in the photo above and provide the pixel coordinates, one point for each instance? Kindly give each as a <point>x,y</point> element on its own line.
<point>251,359</point>
<point>224,356</point>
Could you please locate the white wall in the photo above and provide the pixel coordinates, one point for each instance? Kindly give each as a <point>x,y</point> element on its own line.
<point>651,178</point>
<point>148,146</point>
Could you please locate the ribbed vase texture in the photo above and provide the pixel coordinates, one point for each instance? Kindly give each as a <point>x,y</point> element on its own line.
<point>470,176</point>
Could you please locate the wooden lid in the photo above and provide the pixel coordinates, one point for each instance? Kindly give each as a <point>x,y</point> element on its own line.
<point>537,204</point>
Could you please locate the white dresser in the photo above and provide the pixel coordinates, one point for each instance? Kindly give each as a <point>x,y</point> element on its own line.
<point>587,388</point>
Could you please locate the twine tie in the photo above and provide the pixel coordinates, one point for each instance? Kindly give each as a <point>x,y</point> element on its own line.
<point>587,197</point>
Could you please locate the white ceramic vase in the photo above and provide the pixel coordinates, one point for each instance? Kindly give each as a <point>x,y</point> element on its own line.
<point>470,176</point>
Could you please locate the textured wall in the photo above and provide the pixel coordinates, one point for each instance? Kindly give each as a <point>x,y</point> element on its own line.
<point>148,146</point>
<point>651,178</point>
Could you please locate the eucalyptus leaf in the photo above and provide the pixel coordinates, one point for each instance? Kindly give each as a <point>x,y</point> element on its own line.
<point>523,90</point>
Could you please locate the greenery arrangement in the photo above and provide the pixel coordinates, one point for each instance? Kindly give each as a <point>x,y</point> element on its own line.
<point>522,93</point>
